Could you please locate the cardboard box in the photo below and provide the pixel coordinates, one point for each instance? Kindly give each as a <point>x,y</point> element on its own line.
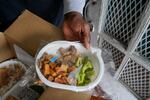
<point>57,94</point>
<point>28,31</point>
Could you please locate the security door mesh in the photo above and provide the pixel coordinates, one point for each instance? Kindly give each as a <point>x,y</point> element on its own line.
<point>122,17</point>
<point>143,47</point>
<point>137,78</point>
<point>117,55</point>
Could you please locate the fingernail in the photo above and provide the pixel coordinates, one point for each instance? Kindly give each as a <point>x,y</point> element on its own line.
<point>87,46</point>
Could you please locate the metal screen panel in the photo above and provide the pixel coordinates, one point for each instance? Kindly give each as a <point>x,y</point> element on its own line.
<point>137,78</point>
<point>124,31</point>
<point>143,47</point>
<point>122,18</point>
<point>116,54</point>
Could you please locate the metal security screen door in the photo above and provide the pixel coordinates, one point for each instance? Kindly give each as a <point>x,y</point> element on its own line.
<point>123,28</point>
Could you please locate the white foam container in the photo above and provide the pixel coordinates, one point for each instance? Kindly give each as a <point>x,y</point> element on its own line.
<point>94,55</point>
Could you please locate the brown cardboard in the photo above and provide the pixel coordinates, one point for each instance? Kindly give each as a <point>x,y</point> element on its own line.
<point>57,94</point>
<point>5,51</point>
<point>29,30</point>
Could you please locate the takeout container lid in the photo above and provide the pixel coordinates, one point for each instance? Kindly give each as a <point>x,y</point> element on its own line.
<point>52,48</point>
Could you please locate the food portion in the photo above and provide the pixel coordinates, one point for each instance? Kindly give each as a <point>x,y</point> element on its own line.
<point>10,97</point>
<point>9,75</point>
<point>67,66</point>
<point>86,72</point>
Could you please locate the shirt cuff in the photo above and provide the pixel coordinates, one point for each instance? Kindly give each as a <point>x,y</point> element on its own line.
<point>74,5</point>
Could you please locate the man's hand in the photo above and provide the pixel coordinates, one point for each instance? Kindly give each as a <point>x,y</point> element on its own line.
<point>75,28</point>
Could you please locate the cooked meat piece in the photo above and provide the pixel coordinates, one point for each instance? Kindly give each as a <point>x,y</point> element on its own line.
<point>49,56</point>
<point>63,74</point>
<point>53,73</point>
<point>44,56</point>
<point>57,68</point>
<point>60,60</point>
<point>50,78</point>
<point>10,97</point>
<point>58,80</point>
<point>66,53</point>
<point>40,64</point>
<point>67,59</point>
<point>18,72</point>
<point>4,77</point>
<point>46,69</point>
<point>62,68</point>
<point>70,63</point>
<point>42,61</point>
<point>62,50</point>
<point>38,82</point>
<point>52,65</point>
<point>58,71</point>
<point>73,50</point>
<point>70,69</point>
<point>73,58</point>
<point>59,76</point>
<point>62,80</point>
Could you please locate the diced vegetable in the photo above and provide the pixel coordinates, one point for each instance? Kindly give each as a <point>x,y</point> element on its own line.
<point>78,62</point>
<point>81,78</point>
<point>90,73</point>
<point>86,72</point>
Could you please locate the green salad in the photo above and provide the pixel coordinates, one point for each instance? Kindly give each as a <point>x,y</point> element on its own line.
<point>86,72</point>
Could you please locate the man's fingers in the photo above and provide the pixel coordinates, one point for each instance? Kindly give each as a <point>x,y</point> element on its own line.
<point>86,43</point>
<point>86,35</point>
<point>76,29</point>
<point>68,33</point>
<point>72,33</point>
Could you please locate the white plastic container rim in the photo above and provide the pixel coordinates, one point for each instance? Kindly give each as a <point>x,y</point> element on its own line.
<point>6,64</point>
<point>12,61</point>
<point>52,47</point>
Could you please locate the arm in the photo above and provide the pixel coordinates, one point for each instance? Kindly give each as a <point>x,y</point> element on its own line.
<point>75,28</point>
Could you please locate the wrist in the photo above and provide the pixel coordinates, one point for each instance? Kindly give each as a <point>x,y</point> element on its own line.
<point>72,14</point>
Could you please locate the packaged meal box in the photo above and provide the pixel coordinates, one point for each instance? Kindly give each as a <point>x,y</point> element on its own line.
<point>68,65</point>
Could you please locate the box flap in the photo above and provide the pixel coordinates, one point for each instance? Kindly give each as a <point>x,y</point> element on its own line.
<point>57,94</point>
<point>5,50</point>
<point>29,30</point>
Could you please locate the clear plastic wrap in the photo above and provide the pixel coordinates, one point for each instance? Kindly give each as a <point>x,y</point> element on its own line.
<point>110,88</point>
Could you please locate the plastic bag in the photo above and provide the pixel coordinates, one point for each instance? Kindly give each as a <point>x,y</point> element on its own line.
<point>110,88</point>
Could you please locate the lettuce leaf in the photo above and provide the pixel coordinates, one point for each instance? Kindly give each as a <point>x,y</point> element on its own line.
<point>86,72</point>
<point>78,62</point>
